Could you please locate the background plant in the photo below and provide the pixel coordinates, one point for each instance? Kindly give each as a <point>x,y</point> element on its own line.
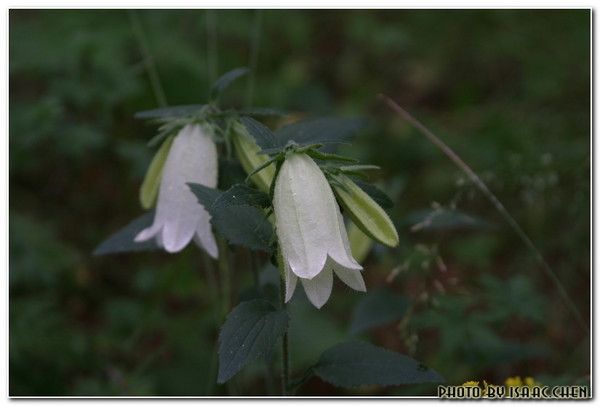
<point>509,95</point>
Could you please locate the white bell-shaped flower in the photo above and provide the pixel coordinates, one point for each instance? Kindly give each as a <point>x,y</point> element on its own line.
<point>311,232</point>
<point>179,216</point>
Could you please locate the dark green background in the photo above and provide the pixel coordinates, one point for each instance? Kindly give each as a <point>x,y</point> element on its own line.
<point>508,90</point>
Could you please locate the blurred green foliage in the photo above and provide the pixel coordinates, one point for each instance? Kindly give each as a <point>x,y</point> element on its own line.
<point>509,90</point>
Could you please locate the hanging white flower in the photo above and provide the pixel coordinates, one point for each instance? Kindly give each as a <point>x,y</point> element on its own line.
<point>179,217</point>
<point>311,232</point>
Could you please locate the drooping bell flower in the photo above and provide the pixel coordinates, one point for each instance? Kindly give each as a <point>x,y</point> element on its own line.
<point>179,217</point>
<point>311,232</point>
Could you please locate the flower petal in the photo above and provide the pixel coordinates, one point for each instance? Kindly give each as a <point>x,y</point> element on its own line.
<point>342,254</point>
<point>351,278</point>
<point>290,282</point>
<point>319,288</point>
<point>149,232</point>
<point>192,158</point>
<point>205,239</point>
<point>300,214</point>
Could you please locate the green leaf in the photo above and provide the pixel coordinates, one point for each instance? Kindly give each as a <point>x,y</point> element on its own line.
<point>263,136</point>
<point>242,194</point>
<point>249,333</point>
<point>354,364</point>
<point>380,197</point>
<point>444,219</point>
<point>320,131</point>
<point>359,168</point>
<point>122,240</point>
<point>170,112</point>
<point>378,308</point>
<point>240,224</point>
<point>151,183</point>
<point>324,156</point>
<point>261,112</point>
<point>225,80</point>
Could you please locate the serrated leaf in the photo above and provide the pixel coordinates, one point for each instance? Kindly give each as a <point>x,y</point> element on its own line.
<point>242,194</point>
<point>359,168</point>
<point>225,80</point>
<point>380,197</point>
<point>151,183</point>
<point>325,156</point>
<point>320,131</point>
<point>249,333</point>
<point>122,240</point>
<point>378,308</point>
<point>170,112</point>
<point>239,224</point>
<point>354,364</point>
<point>263,136</point>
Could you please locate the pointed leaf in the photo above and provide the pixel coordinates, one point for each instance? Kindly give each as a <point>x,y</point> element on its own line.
<point>242,194</point>
<point>263,136</point>
<point>357,363</point>
<point>122,240</point>
<point>445,219</point>
<point>169,112</point>
<point>224,81</point>
<point>249,333</point>
<point>261,112</point>
<point>320,130</point>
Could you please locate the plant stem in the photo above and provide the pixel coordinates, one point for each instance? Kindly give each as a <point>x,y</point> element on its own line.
<point>254,269</point>
<point>285,365</point>
<point>494,200</point>
<point>213,286</point>
<point>225,275</point>
<point>157,88</point>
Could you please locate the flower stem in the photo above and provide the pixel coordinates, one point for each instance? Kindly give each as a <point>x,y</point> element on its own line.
<point>285,364</point>
<point>496,203</point>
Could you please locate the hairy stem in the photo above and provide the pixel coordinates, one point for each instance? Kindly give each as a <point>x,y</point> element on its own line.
<point>494,200</point>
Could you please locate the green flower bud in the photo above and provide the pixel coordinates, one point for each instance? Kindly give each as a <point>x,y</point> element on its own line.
<point>250,157</point>
<point>365,212</point>
<point>151,183</point>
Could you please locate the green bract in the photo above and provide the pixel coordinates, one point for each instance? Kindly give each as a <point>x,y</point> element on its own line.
<point>149,188</point>
<point>365,212</point>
